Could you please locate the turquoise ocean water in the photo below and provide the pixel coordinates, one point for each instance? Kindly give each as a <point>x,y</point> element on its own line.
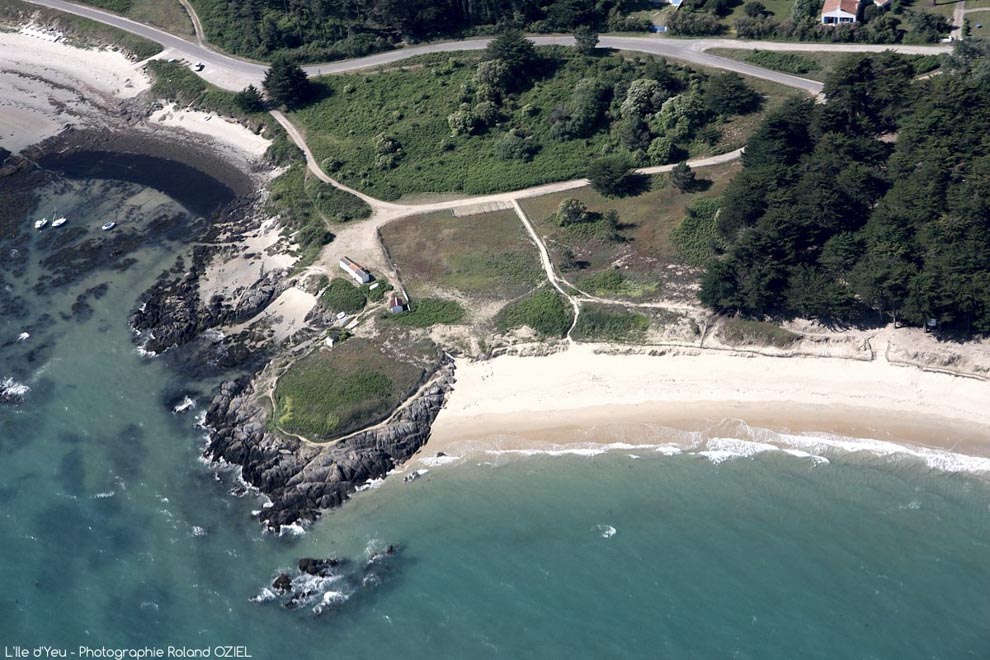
<point>114,534</point>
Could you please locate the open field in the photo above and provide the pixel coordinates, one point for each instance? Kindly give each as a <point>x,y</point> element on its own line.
<point>332,392</point>
<point>387,134</point>
<point>482,257</point>
<point>646,255</point>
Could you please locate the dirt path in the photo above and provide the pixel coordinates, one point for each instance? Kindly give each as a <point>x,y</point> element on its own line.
<point>958,13</point>
<point>194,17</point>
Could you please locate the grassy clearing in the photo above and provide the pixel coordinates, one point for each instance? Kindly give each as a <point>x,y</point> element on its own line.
<point>411,105</point>
<point>646,224</point>
<point>333,392</point>
<point>428,313</point>
<point>342,296</point>
<point>545,311</point>
<point>610,323</point>
<point>740,332</point>
<point>79,31</point>
<point>169,15</point>
<point>487,256</point>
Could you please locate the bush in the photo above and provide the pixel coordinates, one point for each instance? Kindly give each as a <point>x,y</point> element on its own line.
<point>516,145</point>
<point>544,311</point>
<point>697,238</point>
<point>740,332</point>
<point>694,24</point>
<point>600,323</point>
<point>428,313</point>
<point>342,296</point>
<point>610,175</point>
<point>780,61</point>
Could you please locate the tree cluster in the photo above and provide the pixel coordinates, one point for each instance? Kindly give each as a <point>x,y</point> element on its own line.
<point>321,30</point>
<point>833,218</point>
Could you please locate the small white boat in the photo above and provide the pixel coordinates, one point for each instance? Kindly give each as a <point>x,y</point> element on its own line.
<point>58,222</point>
<point>38,224</point>
<point>107,226</point>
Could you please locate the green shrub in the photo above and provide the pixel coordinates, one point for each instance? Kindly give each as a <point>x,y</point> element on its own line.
<point>607,281</point>
<point>781,61</point>
<point>544,311</point>
<point>739,332</point>
<point>378,293</point>
<point>697,238</point>
<point>598,323</point>
<point>342,296</point>
<point>337,205</point>
<point>290,200</point>
<point>428,313</point>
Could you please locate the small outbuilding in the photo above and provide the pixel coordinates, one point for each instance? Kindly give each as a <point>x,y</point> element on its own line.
<point>839,12</point>
<point>396,305</point>
<point>356,271</point>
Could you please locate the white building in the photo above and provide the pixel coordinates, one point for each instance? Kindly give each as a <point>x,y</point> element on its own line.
<point>839,12</point>
<point>354,270</point>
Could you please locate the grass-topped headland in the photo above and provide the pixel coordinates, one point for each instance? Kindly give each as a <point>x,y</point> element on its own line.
<point>332,392</point>
<point>465,122</point>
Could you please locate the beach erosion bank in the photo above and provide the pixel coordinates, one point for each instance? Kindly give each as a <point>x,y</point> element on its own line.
<point>586,400</point>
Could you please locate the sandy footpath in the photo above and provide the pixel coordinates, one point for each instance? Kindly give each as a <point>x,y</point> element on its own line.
<point>578,397</point>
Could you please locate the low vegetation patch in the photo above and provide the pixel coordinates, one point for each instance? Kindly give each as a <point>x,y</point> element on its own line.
<point>342,296</point>
<point>743,332</point>
<point>290,199</point>
<point>428,313</point>
<point>337,391</point>
<point>545,311</point>
<point>697,238</point>
<point>610,323</point>
<point>613,282</point>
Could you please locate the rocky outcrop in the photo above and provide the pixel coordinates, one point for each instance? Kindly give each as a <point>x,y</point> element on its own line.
<point>301,478</point>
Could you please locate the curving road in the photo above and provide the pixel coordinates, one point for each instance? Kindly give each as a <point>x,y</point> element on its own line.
<point>234,74</point>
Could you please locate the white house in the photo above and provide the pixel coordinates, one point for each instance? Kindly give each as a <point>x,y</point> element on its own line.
<point>839,12</point>
<point>354,270</point>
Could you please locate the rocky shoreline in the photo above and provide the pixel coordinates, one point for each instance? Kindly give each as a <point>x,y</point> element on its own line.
<point>301,479</point>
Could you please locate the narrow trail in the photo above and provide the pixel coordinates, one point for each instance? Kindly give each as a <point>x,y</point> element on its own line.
<point>197,25</point>
<point>958,13</point>
<point>548,266</point>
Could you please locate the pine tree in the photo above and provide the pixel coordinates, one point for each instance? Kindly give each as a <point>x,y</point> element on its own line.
<point>286,83</point>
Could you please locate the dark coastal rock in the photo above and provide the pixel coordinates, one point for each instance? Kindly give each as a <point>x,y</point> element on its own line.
<point>283,583</point>
<point>320,567</point>
<point>302,479</point>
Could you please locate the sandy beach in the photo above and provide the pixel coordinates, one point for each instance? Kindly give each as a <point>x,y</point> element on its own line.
<point>580,399</point>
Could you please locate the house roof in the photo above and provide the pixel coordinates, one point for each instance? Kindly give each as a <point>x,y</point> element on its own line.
<point>351,265</point>
<point>848,6</point>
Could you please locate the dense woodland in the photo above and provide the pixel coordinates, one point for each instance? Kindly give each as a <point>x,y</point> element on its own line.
<point>873,206</point>
<point>318,30</point>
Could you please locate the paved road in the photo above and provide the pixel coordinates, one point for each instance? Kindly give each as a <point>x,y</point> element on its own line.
<point>234,74</point>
